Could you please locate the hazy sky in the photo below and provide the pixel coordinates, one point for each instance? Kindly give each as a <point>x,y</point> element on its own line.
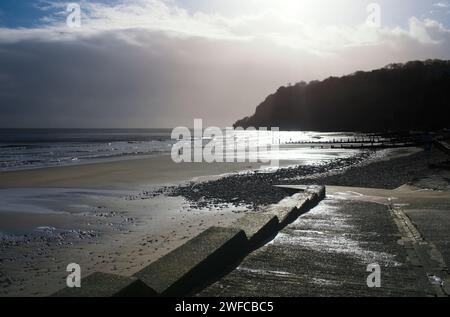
<point>161,63</point>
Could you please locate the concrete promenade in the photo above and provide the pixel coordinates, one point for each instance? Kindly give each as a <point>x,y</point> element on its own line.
<point>326,252</point>
<point>317,242</point>
<point>203,259</point>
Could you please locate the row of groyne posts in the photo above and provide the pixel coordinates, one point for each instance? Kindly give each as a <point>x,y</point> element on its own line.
<point>205,258</point>
<point>373,141</point>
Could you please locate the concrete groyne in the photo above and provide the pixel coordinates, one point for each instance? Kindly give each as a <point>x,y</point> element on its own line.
<point>205,257</point>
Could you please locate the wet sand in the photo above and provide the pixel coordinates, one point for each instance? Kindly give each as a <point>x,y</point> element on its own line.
<point>99,216</point>
<point>119,174</point>
<point>120,236</point>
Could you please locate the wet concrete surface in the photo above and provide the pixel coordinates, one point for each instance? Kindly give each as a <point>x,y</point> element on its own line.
<point>326,252</point>
<point>434,225</point>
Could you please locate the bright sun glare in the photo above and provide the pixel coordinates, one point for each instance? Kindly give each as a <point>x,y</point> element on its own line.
<point>317,11</point>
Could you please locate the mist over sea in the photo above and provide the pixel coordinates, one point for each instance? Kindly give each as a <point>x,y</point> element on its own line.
<point>40,148</point>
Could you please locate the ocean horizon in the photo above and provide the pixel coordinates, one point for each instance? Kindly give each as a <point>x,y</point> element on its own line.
<point>41,148</point>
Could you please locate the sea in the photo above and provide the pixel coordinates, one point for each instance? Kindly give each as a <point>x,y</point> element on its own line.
<point>22,149</point>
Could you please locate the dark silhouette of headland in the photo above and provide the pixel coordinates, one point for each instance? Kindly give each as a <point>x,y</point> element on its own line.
<point>398,97</point>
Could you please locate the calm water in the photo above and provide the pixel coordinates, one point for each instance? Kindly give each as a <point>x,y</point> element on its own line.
<point>30,148</point>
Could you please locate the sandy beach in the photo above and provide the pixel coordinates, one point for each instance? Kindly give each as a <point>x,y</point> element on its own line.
<point>120,216</point>
<point>131,173</point>
<point>98,216</point>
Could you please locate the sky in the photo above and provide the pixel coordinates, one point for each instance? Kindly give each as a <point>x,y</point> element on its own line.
<point>162,63</point>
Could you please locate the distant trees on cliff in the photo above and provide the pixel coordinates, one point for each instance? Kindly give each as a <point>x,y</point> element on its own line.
<point>411,96</point>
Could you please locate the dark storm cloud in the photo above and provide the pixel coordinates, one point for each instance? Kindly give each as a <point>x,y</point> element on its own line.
<point>140,63</point>
<point>107,81</point>
<point>132,79</point>
<point>140,78</point>
<point>70,83</point>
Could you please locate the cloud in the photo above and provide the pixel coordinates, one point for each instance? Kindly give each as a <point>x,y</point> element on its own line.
<point>103,81</point>
<point>442,5</point>
<point>150,63</point>
<point>165,16</point>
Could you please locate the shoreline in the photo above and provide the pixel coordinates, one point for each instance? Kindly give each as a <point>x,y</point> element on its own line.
<point>255,189</point>
<point>36,266</point>
<point>124,174</point>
